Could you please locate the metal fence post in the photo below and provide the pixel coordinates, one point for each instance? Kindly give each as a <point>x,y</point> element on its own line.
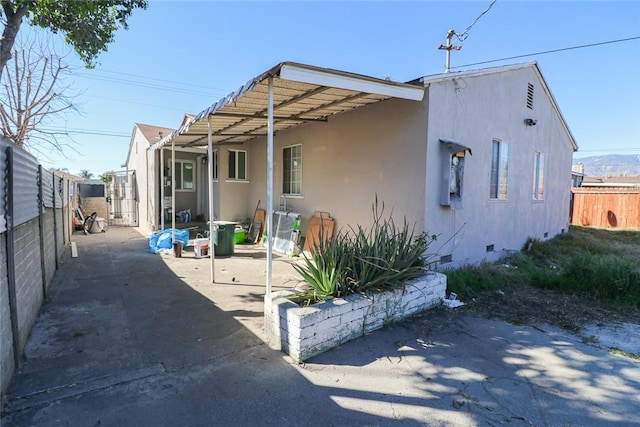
<point>41,210</point>
<point>11,266</point>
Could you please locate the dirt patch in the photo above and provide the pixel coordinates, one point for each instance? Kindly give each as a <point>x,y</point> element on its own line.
<point>527,305</point>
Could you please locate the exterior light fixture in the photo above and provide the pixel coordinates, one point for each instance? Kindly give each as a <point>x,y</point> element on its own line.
<point>530,122</point>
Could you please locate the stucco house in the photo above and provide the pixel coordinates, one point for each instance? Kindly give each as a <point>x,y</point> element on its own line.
<point>481,158</point>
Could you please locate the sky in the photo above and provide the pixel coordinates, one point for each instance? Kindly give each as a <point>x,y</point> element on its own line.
<point>180,57</point>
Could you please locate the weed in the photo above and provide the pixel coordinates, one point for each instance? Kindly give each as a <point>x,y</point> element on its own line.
<point>599,264</point>
<point>617,351</point>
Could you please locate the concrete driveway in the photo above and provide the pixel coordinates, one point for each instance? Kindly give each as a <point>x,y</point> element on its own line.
<point>134,339</point>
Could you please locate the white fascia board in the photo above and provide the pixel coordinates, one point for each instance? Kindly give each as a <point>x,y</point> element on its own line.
<point>342,81</point>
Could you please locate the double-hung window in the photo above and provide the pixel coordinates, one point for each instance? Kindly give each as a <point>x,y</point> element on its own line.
<point>538,176</point>
<point>237,165</point>
<point>499,170</point>
<point>185,171</point>
<point>292,170</point>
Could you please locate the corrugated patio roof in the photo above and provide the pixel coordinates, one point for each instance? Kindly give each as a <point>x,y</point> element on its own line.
<point>301,94</point>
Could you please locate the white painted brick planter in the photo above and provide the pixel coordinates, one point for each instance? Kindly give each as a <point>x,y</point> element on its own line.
<point>304,332</point>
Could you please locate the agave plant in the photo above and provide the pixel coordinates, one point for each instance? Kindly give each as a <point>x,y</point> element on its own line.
<point>325,268</point>
<point>384,257</point>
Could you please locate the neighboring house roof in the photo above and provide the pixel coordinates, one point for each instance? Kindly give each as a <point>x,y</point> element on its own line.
<point>301,93</point>
<point>613,181</point>
<point>435,78</point>
<point>151,133</point>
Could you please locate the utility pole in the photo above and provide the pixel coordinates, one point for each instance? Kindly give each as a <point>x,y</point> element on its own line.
<point>448,48</point>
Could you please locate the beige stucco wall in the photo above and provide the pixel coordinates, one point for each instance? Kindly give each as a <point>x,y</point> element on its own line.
<point>137,161</point>
<point>378,149</point>
<point>474,111</point>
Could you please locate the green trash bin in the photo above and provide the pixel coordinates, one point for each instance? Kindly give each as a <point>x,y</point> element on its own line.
<point>223,237</point>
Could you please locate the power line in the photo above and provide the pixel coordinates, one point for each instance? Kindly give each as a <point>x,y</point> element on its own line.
<point>462,37</point>
<point>550,51</point>
<point>135,103</point>
<point>87,132</point>
<point>147,85</point>
<point>217,89</point>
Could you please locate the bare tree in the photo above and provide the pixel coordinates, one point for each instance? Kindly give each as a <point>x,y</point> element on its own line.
<point>32,93</point>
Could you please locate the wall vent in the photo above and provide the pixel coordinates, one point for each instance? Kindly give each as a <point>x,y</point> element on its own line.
<point>489,248</point>
<point>445,259</point>
<point>530,96</point>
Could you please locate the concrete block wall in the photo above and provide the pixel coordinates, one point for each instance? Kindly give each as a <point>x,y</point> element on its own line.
<point>95,204</point>
<point>6,342</point>
<point>59,230</point>
<point>303,332</point>
<point>29,293</point>
<point>49,245</point>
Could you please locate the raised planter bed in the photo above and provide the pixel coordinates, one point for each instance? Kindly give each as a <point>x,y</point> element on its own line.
<point>303,332</point>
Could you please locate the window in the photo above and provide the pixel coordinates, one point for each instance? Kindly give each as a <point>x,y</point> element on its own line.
<point>215,164</point>
<point>237,165</point>
<point>184,175</point>
<point>292,170</point>
<point>499,170</point>
<point>538,176</point>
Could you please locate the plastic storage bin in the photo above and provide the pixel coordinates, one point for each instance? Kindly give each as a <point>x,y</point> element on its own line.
<point>239,235</point>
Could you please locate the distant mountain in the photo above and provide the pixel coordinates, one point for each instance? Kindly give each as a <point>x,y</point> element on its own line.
<point>610,165</point>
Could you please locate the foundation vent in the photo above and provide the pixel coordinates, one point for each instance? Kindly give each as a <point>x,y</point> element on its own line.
<point>444,259</point>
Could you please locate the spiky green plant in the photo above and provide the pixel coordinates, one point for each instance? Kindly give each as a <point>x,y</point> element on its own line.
<point>383,257</point>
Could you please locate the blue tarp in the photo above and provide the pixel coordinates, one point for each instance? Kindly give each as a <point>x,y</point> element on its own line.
<point>162,239</point>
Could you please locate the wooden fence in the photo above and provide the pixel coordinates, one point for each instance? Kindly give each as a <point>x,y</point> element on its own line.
<point>608,207</point>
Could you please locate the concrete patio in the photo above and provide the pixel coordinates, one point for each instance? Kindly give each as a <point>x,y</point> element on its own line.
<point>132,338</point>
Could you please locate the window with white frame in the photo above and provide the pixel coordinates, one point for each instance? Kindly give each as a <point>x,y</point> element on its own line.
<point>538,176</point>
<point>238,165</point>
<point>499,169</point>
<point>292,170</point>
<point>185,171</point>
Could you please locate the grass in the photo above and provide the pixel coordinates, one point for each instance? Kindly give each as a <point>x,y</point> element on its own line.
<point>596,263</point>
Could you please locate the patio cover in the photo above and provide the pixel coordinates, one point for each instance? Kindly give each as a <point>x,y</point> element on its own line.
<point>287,95</point>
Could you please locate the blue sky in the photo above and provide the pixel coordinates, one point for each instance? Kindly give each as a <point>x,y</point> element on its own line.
<point>182,56</point>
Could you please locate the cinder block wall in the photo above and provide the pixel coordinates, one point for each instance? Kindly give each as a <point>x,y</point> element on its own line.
<point>29,293</point>
<point>6,341</point>
<point>95,204</point>
<point>49,245</point>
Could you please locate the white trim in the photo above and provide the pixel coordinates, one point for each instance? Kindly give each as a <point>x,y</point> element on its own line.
<point>290,147</point>
<point>337,80</point>
<point>241,181</point>
<point>193,176</point>
<point>246,165</point>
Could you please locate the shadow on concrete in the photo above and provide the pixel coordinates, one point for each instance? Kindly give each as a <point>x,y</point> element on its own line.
<point>130,338</point>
